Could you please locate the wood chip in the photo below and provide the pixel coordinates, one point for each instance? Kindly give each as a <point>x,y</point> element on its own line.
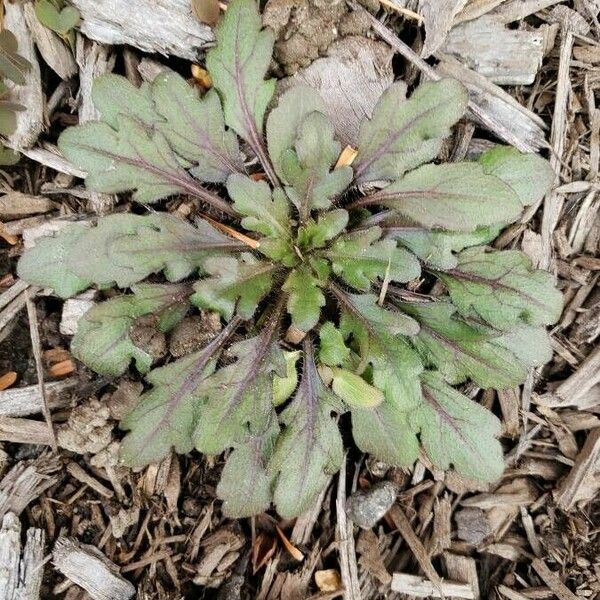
<point>24,401</point>
<point>463,569</point>
<point>419,587</point>
<point>90,569</point>
<point>438,17</point>
<point>155,26</point>
<point>7,380</point>
<point>552,580</point>
<point>291,549</point>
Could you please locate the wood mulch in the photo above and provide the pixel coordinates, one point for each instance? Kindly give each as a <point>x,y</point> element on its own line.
<point>82,526</point>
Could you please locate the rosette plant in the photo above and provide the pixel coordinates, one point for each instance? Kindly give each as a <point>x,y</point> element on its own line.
<point>324,250</point>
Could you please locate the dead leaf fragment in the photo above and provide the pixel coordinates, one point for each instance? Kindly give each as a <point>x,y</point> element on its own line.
<point>7,380</point>
<point>207,11</point>
<point>328,580</point>
<point>202,77</point>
<point>293,551</point>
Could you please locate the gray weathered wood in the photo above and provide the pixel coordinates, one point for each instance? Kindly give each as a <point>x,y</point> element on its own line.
<point>90,569</point>
<point>163,26</point>
<point>24,401</point>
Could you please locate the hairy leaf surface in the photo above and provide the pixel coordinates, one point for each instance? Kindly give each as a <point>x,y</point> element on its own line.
<point>403,134</point>
<point>463,350</point>
<point>166,415</point>
<point>360,257</point>
<point>305,298</point>
<point>238,65</point>
<point>239,396</point>
<point>234,285</point>
<point>310,448</point>
<point>457,432</point>
<point>455,197</point>
<point>103,339</point>
<point>502,288</point>
<point>125,250</point>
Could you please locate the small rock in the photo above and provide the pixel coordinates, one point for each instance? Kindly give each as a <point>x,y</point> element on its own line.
<point>367,507</point>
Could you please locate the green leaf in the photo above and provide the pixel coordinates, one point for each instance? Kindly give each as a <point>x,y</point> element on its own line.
<point>307,167</point>
<point>235,285</point>
<point>121,249</point>
<point>238,65</point>
<point>283,387</point>
<point>284,121</point>
<point>305,298</point>
<point>385,433</point>
<point>245,485</point>
<point>315,234</point>
<point>457,432</point>
<point>377,337</point>
<point>437,248</point>
<point>463,350</point>
<point>61,22</point>
<point>529,175</point>
<point>129,158</point>
<point>239,396</point>
<point>103,341</point>
<point>8,157</point>
<point>403,134</point>
<point>502,288</point>
<point>359,259</point>
<point>309,450</point>
<point>454,196</point>
<point>166,415</point>
<point>332,349</point>
<point>265,212</point>
<point>354,390</point>
<point>195,128</point>
<point>114,95</point>
<point>8,111</point>
<point>13,66</point>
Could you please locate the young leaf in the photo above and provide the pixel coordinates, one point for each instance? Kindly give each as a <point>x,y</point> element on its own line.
<point>234,285</point>
<point>307,167</point>
<point>305,298</point>
<point>332,349</point>
<point>403,134</point>
<point>461,350</point>
<point>457,432</point>
<point>283,387</point>
<point>354,390</point>
<point>529,175</point>
<point>62,22</point>
<point>238,65</point>
<point>265,212</point>
<point>376,333</point>
<point>246,484</point>
<point>166,415</point>
<point>13,66</point>
<point>239,396</point>
<point>502,288</point>
<point>284,121</point>
<point>102,341</point>
<point>359,259</point>
<point>455,197</point>
<point>437,248</point>
<point>315,234</point>
<point>310,448</point>
<point>195,128</point>
<point>122,248</point>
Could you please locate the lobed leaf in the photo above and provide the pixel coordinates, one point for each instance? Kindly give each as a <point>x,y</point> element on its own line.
<point>309,450</point>
<point>332,349</point>
<point>454,197</point>
<point>265,212</point>
<point>305,298</point>
<point>360,257</point>
<point>246,484</point>
<point>462,350</point>
<point>502,288</point>
<point>238,402</point>
<point>315,234</point>
<point>306,167</point>
<point>166,415</point>
<point>529,175</point>
<point>235,285</point>
<point>403,134</point>
<point>121,249</point>
<point>103,341</point>
<point>238,65</point>
<point>457,432</point>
